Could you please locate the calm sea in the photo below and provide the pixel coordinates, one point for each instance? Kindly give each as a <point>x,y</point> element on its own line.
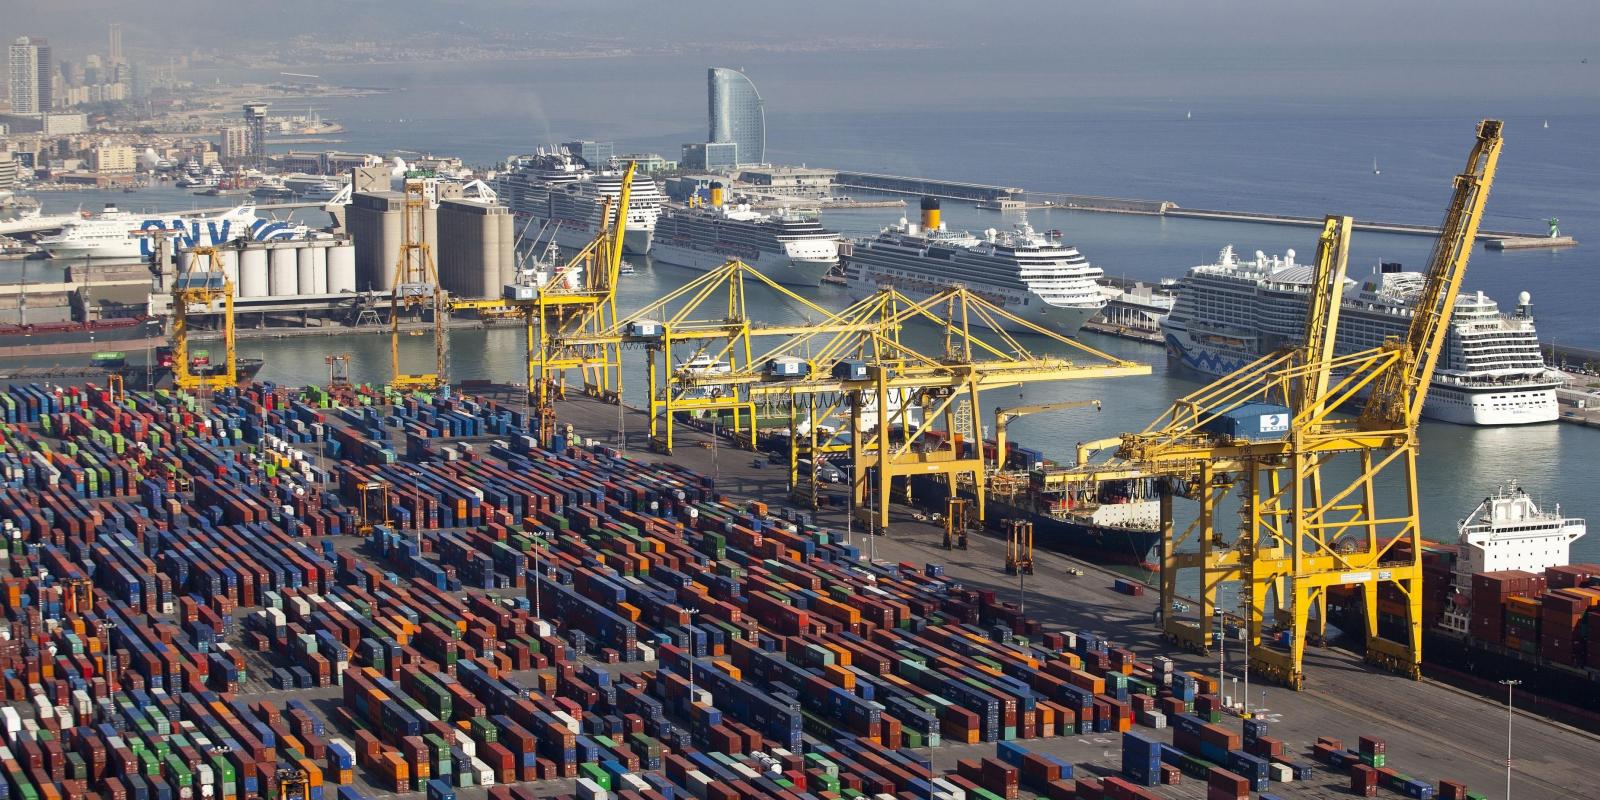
<point>1224,141</point>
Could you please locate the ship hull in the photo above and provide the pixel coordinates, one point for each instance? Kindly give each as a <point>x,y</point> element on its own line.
<point>76,252</point>
<point>1445,402</point>
<point>777,266</point>
<point>1097,544</point>
<point>573,236</point>
<point>62,340</point>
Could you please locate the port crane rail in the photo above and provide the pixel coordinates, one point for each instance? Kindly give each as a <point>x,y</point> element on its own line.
<point>1298,536</point>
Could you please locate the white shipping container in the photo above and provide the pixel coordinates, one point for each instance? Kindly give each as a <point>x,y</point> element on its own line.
<point>698,783</point>
<point>12,720</point>
<point>466,744</point>
<point>589,790</point>
<point>485,774</point>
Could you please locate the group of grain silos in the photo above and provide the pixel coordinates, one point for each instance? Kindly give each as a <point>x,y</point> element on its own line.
<point>473,242</point>
<point>315,265</point>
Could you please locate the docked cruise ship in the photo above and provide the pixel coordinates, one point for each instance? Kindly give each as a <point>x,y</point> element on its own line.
<point>1033,275</point>
<point>1234,311</point>
<point>788,247</point>
<point>107,235</point>
<point>564,199</point>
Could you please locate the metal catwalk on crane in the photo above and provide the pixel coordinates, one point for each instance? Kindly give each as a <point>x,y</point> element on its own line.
<point>1306,478</point>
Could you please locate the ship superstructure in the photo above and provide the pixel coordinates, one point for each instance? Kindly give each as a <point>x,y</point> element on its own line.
<point>1033,274</point>
<point>565,198</point>
<point>790,247</point>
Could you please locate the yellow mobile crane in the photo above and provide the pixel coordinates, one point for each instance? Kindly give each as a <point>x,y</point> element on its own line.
<point>416,287</point>
<point>1270,433</point>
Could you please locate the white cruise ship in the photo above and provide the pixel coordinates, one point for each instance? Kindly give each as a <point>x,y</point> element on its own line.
<point>788,247</point>
<point>1033,275</point>
<point>565,199</point>
<point>108,234</point>
<point>1234,311</point>
<point>314,187</point>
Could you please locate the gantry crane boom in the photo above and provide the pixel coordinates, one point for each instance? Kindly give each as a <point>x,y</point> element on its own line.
<point>1324,302</point>
<point>1004,416</point>
<point>1397,399</point>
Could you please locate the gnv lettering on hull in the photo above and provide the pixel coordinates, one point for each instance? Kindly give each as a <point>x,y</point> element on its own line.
<point>216,233</point>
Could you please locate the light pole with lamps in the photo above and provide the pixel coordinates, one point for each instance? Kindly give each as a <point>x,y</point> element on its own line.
<point>538,572</point>
<point>1511,686</point>
<point>691,611</point>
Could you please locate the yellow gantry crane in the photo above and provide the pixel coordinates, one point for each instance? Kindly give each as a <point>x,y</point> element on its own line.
<point>201,288</point>
<point>1271,435</point>
<point>574,301</point>
<point>416,288</point>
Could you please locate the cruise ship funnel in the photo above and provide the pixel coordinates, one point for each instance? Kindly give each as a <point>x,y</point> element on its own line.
<point>930,214</point>
<point>716,194</point>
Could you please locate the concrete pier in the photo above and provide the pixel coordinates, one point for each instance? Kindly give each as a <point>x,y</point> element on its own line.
<point>1014,198</point>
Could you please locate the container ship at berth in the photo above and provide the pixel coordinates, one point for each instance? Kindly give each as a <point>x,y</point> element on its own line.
<point>105,363</point>
<point>564,199</point>
<point>1491,372</point>
<point>1116,522</point>
<point>789,247</point>
<point>1502,601</point>
<point>1033,275</point>
<point>61,338</point>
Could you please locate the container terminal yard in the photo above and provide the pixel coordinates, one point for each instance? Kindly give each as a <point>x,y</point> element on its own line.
<point>236,589</point>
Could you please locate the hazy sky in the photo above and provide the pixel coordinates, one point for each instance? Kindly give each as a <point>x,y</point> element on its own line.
<point>1128,26</point>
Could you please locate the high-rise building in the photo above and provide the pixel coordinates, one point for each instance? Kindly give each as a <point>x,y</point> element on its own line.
<point>737,114</point>
<point>255,118</point>
<point>31,76</point>
<point>595,154</point>
<point>116,43</point>
<point>710,156</point>
<point>235,144</point>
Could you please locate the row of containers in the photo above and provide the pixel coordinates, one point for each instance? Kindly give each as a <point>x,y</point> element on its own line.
<point>770,660</point>
<point>312,266</point>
